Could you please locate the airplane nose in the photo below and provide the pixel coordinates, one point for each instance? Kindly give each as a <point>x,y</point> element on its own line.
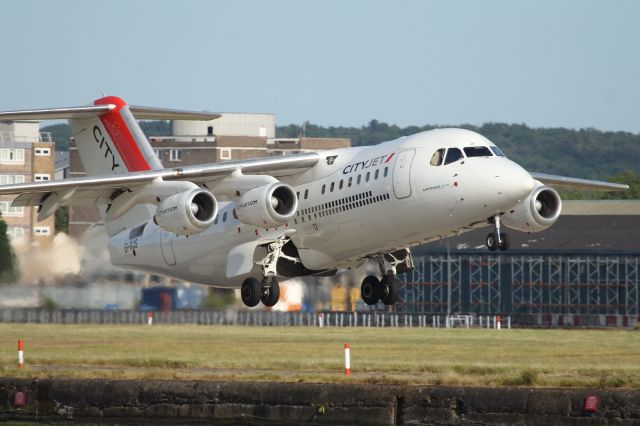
<point>514,181</point>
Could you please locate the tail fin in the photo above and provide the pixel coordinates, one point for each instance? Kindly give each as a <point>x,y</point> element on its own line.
<point>112,143</point>
<point>107,135</point>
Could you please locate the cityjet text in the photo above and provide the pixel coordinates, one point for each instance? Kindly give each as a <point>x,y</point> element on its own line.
<point>372,162</point>
<point>97,135</point>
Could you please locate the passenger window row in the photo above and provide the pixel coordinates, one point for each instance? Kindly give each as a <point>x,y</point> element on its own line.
<point>340,205</point>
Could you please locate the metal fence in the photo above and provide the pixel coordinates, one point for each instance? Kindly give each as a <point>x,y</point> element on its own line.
<point>586,285</point>
<point>308,319</point>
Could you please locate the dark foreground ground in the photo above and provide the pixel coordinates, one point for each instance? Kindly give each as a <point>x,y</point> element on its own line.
<point>101,401</point>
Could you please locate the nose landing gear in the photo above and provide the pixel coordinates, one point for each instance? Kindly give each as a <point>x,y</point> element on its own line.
<point>498,240</point>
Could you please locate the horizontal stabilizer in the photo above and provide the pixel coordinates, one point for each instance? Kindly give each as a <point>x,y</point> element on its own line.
<point>139,112</point>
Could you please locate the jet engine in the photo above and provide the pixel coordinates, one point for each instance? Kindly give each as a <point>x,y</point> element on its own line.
<point>267,206</point>
<point>187,212</point>
<point>535,213</point>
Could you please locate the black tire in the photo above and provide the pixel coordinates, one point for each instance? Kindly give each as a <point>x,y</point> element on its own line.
<point>370,290</point>
<point>271,295</point>
<point>250,292</point>
<point>505,241</point>
<point>390,289</point>
<point>492,241</point>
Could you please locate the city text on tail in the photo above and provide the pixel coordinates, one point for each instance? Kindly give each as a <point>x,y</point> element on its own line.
<point>246,223</point>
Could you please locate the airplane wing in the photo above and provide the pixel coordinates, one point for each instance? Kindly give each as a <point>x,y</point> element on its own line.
<point>578,184</point>
<point>96,188</point>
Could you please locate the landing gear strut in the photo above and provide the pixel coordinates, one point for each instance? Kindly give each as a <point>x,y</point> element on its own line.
<point>267,290</point>
<point>498,240</point>
<point>387,289</point>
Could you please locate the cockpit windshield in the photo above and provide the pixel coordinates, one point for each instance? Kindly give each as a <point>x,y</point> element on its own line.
<point>477,151</point>
<point>447,156</point>
<point>497,151</point>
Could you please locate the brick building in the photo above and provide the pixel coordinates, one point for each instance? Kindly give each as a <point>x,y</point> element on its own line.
<point>233,136</point>
<point>26,155</point>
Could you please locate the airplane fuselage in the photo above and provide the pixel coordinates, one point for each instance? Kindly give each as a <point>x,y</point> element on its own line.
<point>354,203</point>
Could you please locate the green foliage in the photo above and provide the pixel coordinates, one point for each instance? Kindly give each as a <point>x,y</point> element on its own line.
<point>8,263</point>
<point>585,153</point>
<point>219,298</point>
<point>60,133</point>
<point>156,128</point>
<point>62,219</point>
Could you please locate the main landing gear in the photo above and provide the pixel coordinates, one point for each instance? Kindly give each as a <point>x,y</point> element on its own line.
<point>497,240</point>
<point>267,290</point>
<point>387,289</point>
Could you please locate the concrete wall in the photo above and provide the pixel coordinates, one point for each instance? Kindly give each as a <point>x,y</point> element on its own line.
<point>98,401</point>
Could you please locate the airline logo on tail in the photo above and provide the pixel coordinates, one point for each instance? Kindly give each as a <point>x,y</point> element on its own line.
<point>104,145</point>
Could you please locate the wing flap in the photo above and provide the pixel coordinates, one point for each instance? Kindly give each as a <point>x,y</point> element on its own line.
<point>579,184</point>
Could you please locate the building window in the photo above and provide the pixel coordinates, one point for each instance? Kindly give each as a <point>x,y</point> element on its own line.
<point>12,155</point>
<point>7,210</point>
<point>225,154</point>
<point>42,152</point>
<point>18,232</point>
<point>11,179</point>
<point>41,177</point>
<point>209,130</point>
<point>175,155</point>
<point>159,154</point>
<point>41,230</point>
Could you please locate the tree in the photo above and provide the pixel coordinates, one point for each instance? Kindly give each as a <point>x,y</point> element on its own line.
<point>62,219</point>
<point>8,268</point>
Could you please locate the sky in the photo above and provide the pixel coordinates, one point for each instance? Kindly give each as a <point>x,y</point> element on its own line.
<point>544,63</point>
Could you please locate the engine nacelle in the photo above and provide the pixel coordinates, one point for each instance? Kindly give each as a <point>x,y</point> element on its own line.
<point>267,206</point>
<point>535,213</point>
<point>187,212</point>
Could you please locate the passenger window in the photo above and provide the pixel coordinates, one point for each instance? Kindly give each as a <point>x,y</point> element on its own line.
<point>437,157</point>
<point>333,184</point>
<point>350,180</point>
<point>386,171</point>
<point>366,179</point>
<point>376,174</point>
<point>453,154</point>
<point>306,193</point>
<point>323,187</point>
<point>359,179</point>
<point>341,184</point>
<point>477,151</point>
<point>224,217</point>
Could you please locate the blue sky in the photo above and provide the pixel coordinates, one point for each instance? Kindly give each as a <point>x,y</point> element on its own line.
<point>544,63</point>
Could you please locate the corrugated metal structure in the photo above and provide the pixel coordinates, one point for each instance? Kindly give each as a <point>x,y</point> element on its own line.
<point>229,124</point>
<point>524,283</point>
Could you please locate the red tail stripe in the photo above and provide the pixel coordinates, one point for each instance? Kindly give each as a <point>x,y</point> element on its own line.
<point>390,157</point>
<point>121,136</point>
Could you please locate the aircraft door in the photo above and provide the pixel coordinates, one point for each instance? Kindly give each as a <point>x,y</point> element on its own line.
<point>402,173</point>
<point>166,247</point>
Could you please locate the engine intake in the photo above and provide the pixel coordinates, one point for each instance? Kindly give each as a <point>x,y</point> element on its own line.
<point>267,206</point>
<point>188,212</point>
<point>537,212</point>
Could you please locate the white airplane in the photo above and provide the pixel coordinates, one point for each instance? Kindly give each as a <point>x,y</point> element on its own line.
<point>246,223</point>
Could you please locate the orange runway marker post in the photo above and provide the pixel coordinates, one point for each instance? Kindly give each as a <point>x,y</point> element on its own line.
<point>20,354</point>
<point>347,360</point>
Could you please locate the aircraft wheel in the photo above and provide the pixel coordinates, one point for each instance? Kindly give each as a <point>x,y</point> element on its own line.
<point>492,241</point>
<point>370,290</point>
<point>271,294</point>
<point>390,286</point>
<point>504,241</point>
<point>250,292</point>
